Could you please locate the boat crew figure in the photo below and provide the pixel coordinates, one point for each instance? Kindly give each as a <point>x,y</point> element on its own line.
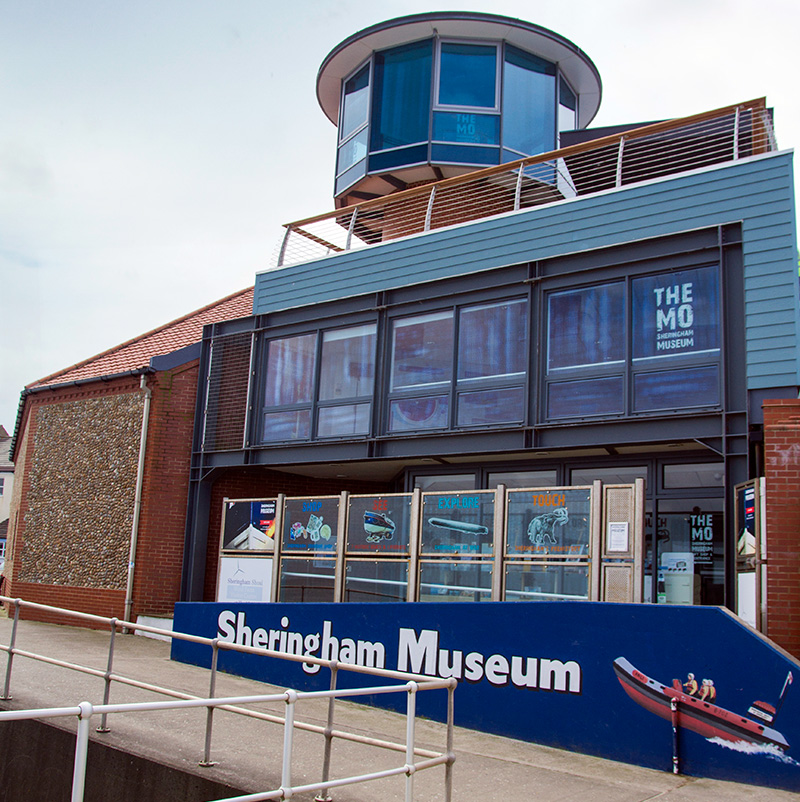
<point>690,686</point>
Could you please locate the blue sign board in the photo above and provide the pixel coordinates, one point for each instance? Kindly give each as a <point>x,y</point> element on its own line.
<point>589,676</point>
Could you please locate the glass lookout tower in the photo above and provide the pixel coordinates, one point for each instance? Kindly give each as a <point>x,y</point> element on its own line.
<point>430,96</point>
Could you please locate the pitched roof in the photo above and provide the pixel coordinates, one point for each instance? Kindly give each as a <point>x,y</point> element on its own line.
<point>138,352</point>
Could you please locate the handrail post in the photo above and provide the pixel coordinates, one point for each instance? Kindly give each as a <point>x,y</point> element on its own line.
<point>411,721</point>
<point>323,795</point>
<point>12,643</point>
<point>518,188</point>
<point>618,180</point>
<point>282,253</point>
<point>107,677</point>
<point>448,767</point>
<point>350,229</point>
<point>736,122</point>
<point>207,761</point>
<point>81,751</point>
<point>288,742</point>
<point>429,210</point>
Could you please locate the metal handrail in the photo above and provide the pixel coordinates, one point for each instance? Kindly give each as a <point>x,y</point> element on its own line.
<point>413,683</point>
<point>635,155</point>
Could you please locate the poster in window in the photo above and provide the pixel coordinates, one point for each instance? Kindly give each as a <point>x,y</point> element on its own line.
<point>249,525</point>
<point>552,522</point>
<point>676,313</point>
<point>379,524</point>
<point>310,524</point>
<point>458,523</point>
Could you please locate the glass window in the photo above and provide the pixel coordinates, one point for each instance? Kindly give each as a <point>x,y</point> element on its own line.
<point>676,389</point>
<point>422,350</point>
<point>523,478</point>
<point>587,397</point>
<point>290,370</point>
<point>546,582</point>
<point>567,107</point>
<point>467,75</point>
<point>586,327</point>
<point>376,581</point>
<point>445,481</point>
<point>451,581</point>
<point>411,414</point>
<point>492,341</point>
<point>401,98</point>
<point>529,103</point>
<point>475,129</point>
<point>491,406</point>
<point>355,103</point>
<point>348,363</point>
<point>676,313</point>
<point>699,474</point>
<point>343,420</point>
<point>307,580</point>
<point>352,152</point>
<point>618,475</point>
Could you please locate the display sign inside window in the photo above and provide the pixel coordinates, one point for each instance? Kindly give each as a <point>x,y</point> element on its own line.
<point>310,524</point>
<point>249,525</point>
<point>549,523</point>
<point>676,313</point>
<point>746,519</point>
<point>457,523</point>
<point>379,524</point>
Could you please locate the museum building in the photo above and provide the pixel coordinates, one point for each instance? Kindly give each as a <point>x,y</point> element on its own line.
<point>506,299</point>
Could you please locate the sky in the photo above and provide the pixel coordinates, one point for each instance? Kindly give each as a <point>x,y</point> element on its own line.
<point>151,150</point>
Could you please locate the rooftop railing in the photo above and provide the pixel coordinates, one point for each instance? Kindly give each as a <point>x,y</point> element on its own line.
<point>636,155</point>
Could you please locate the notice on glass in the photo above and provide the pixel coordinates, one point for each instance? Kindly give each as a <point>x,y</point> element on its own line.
<point>618,536</point>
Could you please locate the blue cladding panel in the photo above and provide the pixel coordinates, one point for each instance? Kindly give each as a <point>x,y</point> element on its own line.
<point>758,192</point>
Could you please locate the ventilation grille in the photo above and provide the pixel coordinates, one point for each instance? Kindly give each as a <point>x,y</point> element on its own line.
<point>617,583</point>
<point>228,380</point>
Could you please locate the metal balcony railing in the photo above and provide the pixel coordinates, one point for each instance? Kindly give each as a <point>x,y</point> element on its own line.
<point>637,155</point>
<point>415,758</point>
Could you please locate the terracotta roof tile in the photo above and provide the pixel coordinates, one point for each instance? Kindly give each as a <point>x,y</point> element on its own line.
<point>138,352</point>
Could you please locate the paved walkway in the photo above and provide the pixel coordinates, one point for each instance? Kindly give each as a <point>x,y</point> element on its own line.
<point>249,751</point>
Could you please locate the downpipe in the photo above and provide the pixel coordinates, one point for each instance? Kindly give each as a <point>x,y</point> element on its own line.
<point>137,499</point>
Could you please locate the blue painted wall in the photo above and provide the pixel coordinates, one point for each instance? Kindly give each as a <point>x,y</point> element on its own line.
<point>586,710</point>
<point>757,192</point>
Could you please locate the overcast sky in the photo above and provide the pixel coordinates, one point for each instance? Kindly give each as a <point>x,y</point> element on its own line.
<point>151,149</point>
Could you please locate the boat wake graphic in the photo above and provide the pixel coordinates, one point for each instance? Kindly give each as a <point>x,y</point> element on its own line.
<point>768,750</point>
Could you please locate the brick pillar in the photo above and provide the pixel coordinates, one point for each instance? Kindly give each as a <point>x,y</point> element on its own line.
<point>782,469</point>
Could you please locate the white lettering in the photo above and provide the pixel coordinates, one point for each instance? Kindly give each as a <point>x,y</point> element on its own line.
<point>412,650</point>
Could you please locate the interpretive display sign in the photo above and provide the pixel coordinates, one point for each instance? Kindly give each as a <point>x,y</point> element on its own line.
<point>310,524</point>
<point>379,524</point>
<point>244,579</point>
<point>249,525</point>
<point>458,523</point>
<point>552,523</point>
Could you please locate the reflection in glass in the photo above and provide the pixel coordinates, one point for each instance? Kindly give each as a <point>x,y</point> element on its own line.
<point>676,389</point>
<point>290,370</point>
<point>541,582</point>
<point>695,474</point>
<point>618,475</point>
<point>529,103</point>
<point>411,414</point>
<point>422,350</point>
<point>352,151</point>
<point>461,581</point>
<point>348,363</point>
<point>306,580</point>
<point>343,420</point>
<point>376,581</point>
<point>467,75</point>
<point>492,340</point>
<point>523,478</point>
<point>355,102</point>
<point>491,406</point>
<point>584,326</point>
<point>445,481</point>
<point>402,95</point>
<point>478,129</point>
<point>587,397</point>
<point>294,424</point>
<point>567,108</point>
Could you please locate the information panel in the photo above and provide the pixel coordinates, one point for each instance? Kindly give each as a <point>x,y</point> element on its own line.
<point>310,524</point>
<point>249,525</point>
<point>458,523</point>
<point>379,524</point>
<point>551,523</point>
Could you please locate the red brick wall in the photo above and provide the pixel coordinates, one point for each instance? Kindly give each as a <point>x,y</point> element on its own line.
<point>265,483</point>
<point>782,469</point>
<point>106,603</point>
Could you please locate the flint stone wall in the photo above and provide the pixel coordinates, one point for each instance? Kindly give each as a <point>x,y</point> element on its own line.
<point>81,496</point>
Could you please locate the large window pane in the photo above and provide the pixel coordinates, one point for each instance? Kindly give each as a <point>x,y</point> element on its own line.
<point>567,108</point>
<point>676,313</point>
<point>422,350</point>
<point>307,580</point>
<point>538,582</point>
<point>491,406</point>
<point>695,474</point>
<point>376,581</point>
<point>480,129</point>
<point>523,478</point>
<point>290,370</point>
<point>410,414</point>
<point>355,102</point>
<point>588,397</point>
<point>448,581</point>
<point>529,103</point>
<point>467,75</point>
<point>676,389</point>
<point>342,420</point>
<point>492,340</point>
<point>585,327</point>
<point>402,96</point>
<point>352,151</point>
<point>348,363</point>
<point>293,424</point>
